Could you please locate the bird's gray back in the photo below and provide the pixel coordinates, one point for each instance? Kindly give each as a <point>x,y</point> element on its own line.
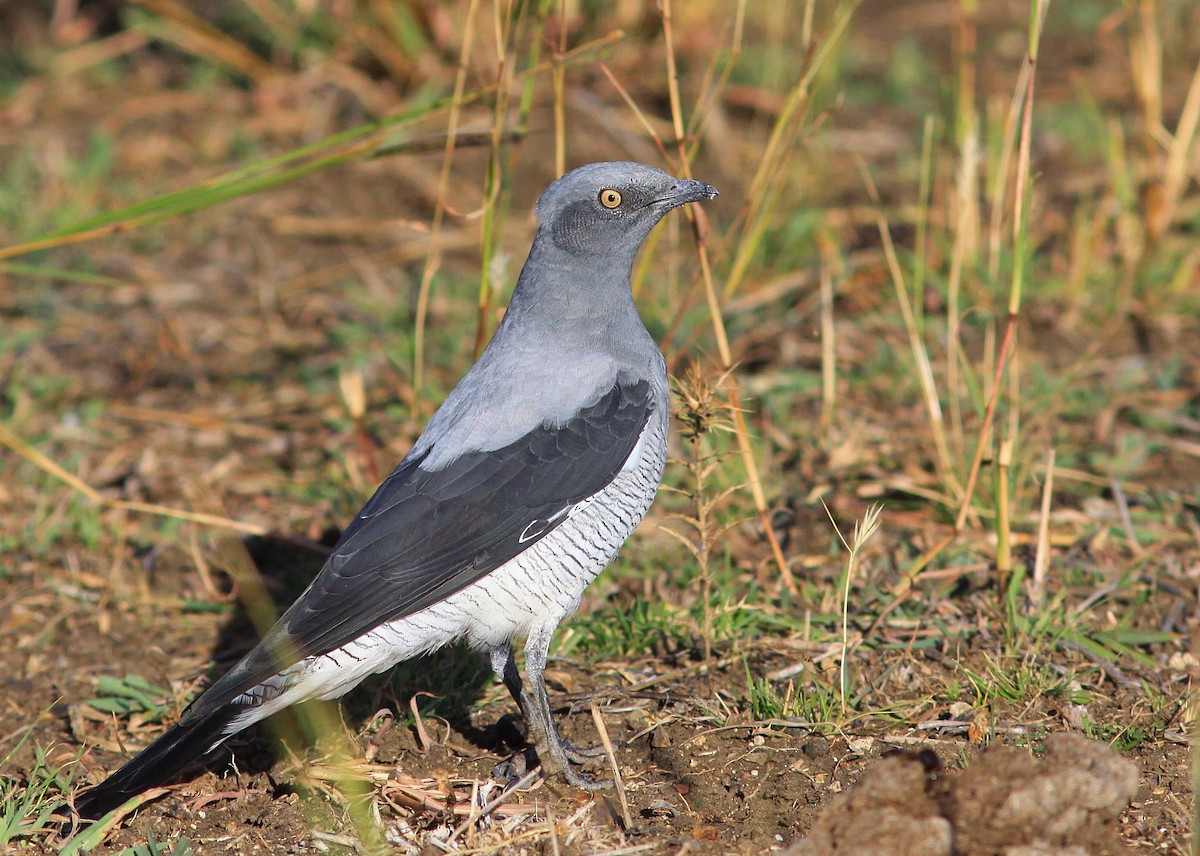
<point>543,365</point>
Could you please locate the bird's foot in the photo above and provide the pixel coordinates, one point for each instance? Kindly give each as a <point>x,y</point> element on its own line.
<point>560,756</point>
<point>516,768</point>
<point>585,782</point>
<point>512,771</point>
<point>588,755</point>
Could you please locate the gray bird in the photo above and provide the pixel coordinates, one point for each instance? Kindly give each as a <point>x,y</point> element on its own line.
<point>522,488</point>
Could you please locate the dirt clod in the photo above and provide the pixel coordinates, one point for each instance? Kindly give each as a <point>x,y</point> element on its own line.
<point>1008,802</point>
<point>817,747</point>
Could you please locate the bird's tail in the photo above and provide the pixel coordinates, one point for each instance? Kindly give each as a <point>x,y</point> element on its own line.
<point>158,763</point>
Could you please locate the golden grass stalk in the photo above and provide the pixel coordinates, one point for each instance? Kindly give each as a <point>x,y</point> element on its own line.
<point>367,140</point>
<point>285,24</point>
<point>1025,79</point>
<point>1145,65</point>
<point>765,187</point>
<point>1003,170</point>
<point>1022,109</point>
<point>559,78</point>
<point>966,226</point>
<point>966,206</point>
<point>493,180</point>
<point>828,339</point>
<point>1180,156</point>
<point>712,85</point>
<point>1003,522</point>
<point>922,225</point>
<point>1191,721</point>
<point>495,206</point>
<point>618,782</point>
<point>177,24</point>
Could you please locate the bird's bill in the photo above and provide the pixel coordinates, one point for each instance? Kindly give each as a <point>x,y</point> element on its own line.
<point>687,190</point>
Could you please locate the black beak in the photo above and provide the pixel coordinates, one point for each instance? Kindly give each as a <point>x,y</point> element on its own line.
<point>687,190</point>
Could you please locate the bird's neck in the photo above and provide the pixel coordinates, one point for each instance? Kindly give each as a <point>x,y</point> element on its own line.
<point>586,299</point>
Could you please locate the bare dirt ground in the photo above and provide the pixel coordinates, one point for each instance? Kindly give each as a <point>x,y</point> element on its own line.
<point>201,373</point>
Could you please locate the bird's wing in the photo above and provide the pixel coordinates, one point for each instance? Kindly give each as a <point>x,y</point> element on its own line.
<point>426,534</point>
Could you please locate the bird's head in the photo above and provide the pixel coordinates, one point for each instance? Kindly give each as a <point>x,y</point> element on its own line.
<point>608,209</point>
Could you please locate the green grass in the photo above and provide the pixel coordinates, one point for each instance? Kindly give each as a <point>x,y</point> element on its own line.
<point>27,803</point>
<point>1022,680</point>
<point>154,847</point>
<point>626,629</point>
<point>813,701</point>
<point>38,197</point>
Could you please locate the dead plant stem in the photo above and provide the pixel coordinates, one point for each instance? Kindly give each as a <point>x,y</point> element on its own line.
<point>699,226</point>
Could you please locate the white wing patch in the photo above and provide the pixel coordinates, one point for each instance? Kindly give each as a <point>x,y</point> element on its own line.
<point>635,457</point>
<point>536,527</point>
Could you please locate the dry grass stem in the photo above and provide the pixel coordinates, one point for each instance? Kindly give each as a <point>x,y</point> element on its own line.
<point>1041,561</point>
<point>618,782</point>
<point>862,533</point>
<point>44,463</point>
<point>433,259</point>
<point>933,406</point>
<point>1004,460</point>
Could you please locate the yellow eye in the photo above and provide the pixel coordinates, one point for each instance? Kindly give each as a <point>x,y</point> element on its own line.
<point>610,198</point>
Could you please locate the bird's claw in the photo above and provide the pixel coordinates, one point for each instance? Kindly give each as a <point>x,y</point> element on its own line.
<point>585,782</point>
<point>588,756</point>
<point>511,771</point>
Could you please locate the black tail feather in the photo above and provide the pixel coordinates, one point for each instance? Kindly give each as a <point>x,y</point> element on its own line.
<point>158,764</point>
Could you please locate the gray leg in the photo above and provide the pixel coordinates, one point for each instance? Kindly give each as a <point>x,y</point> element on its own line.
<point>504,664</point>
<point>535,703</point>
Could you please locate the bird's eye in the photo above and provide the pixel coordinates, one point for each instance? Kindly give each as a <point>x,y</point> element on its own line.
<point>610,198</point>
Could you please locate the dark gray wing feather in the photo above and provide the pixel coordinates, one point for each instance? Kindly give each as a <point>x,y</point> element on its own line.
<point>426,534</point>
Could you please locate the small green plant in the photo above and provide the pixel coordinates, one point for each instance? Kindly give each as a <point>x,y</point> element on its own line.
<point>815,702</point>
<point>953,690</point>
<point>763,701</point>
<point>154,847</point>
<point>129,695</point>
<point>1121,736</point>
<point>819,702</point>
<point>701,411</point>
<point>1145,722</point>
<point>1024,679</point>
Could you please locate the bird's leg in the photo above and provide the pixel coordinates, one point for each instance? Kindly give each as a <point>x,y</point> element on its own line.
<point>586,755</point>
<point>504,664</point>
<point>553,755</point>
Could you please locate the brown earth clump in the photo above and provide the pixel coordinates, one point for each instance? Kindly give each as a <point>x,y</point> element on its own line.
<point>1008,802</point>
